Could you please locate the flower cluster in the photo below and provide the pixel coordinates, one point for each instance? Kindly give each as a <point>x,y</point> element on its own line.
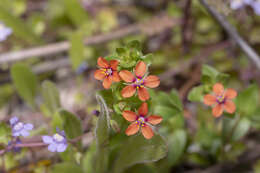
<point>4,32</point>
<point>136,82</point>
<point>237,4</point>
<point>221,100</point>
<point>57,142</point>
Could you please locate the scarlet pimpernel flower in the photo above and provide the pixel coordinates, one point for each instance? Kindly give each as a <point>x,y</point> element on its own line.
<point>221,100</point>
<point>141,120</point>
<point>138,81</point>
<point>107,72</point>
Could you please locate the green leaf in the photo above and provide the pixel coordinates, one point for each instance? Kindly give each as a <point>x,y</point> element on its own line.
<point>66,167</point>
<point>241,129</point>
<point>102,137</point>
<point>75,12</point>
<point>248,100</point>
<point>5,131</point>
<point>20,29</point>
<point>196,94</point>
<point>209,71</point>
<point>76,50</point>
<point>175,100</point>
<point>177,144</point>
<point>135,44</point>
<point>51,96</point>
<point>25,82</point>
<point>137,149</point>
<point>121,51</point>
<point>71,124</point>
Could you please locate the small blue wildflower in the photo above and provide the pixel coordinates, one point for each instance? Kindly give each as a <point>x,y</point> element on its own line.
<point>13,143</point>
<point>82,67</point>
<point>237,4</point>
<point>4,32</point>
<point>57,142</point>
<point>256,6</point>
<point>20,128</point>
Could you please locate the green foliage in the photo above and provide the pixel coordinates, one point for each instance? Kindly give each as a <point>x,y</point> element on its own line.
<point>66,167</point>
<point>177,144</point>
<point>139,150</point>
<point>196,94</point>
<point>4,131</point>
<point>167,105</point>
<point>20,29</point>
<point>76,50</point>
<point>75,12</point>
<point>51,96</point>
<point>25,82</point>
<point>102,137</point>
<point>248,100</point>
<point>71,124</point>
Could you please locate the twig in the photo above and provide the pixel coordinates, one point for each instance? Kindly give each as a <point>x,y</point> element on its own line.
<point>186,26</point>
<point>41,144</point>
<point>162,22</point>
<point>251,54</point>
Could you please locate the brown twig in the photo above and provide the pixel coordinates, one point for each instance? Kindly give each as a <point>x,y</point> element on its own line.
<point>251,54</point>
<point>41,144</point>
<point>162,22</point>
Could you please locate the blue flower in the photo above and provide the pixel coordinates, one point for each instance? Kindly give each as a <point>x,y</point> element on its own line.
<point>82,67</point>
<point>256,6</point>
<point>236,4</point>
<point>4,32</point>
<point>57,142</point>
<point>19,128</point>
<point>13,143</point>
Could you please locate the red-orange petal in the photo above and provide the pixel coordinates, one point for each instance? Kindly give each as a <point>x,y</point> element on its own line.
<point>218,89</point>
<point>230,106</point>
<point>107,82</point>
<point>132,129</point>
<point>147,131</point>
<point>115,76</point>
<point>143,94</point>
<point>128,91</point>
<point>154,119</point>
<point>143,109</point>
<point>152,81</point>
<point>129,116</point>
<point>99,75</point>
<point>217,110</point>
<point>113,64</point>
<point>126,75</point>
<point>102,62</point>
<point>210,99</point>
<point>140,69</point>
<point>230,93</point>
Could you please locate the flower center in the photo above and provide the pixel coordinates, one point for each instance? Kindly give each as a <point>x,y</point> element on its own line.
<point>139,82</point>
<point>108,71</point>
<point>221,98</point>
<point>141,121</point>
<point>18,126</point>
<point>58,137</point>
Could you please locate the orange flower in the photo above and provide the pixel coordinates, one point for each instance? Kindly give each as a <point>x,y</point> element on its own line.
<point>107,72</point>
<point>138,81</point>
<point>141,121</point>
<point>221,100</point>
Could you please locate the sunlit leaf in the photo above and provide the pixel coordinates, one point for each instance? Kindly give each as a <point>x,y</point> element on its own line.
<point>137,149</point>
<point>25,82</point>
<point>66,167</point>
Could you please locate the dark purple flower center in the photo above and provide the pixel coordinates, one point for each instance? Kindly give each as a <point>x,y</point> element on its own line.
<point>221,99</point>
<point>141,120</point>
<point>138,82</point>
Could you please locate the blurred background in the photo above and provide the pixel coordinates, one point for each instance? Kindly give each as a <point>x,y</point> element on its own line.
<point>60,40</point>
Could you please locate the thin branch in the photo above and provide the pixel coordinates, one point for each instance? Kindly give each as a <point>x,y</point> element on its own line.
<point>41,144</point>
<point>251,54</point>
<point>162,22</point>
